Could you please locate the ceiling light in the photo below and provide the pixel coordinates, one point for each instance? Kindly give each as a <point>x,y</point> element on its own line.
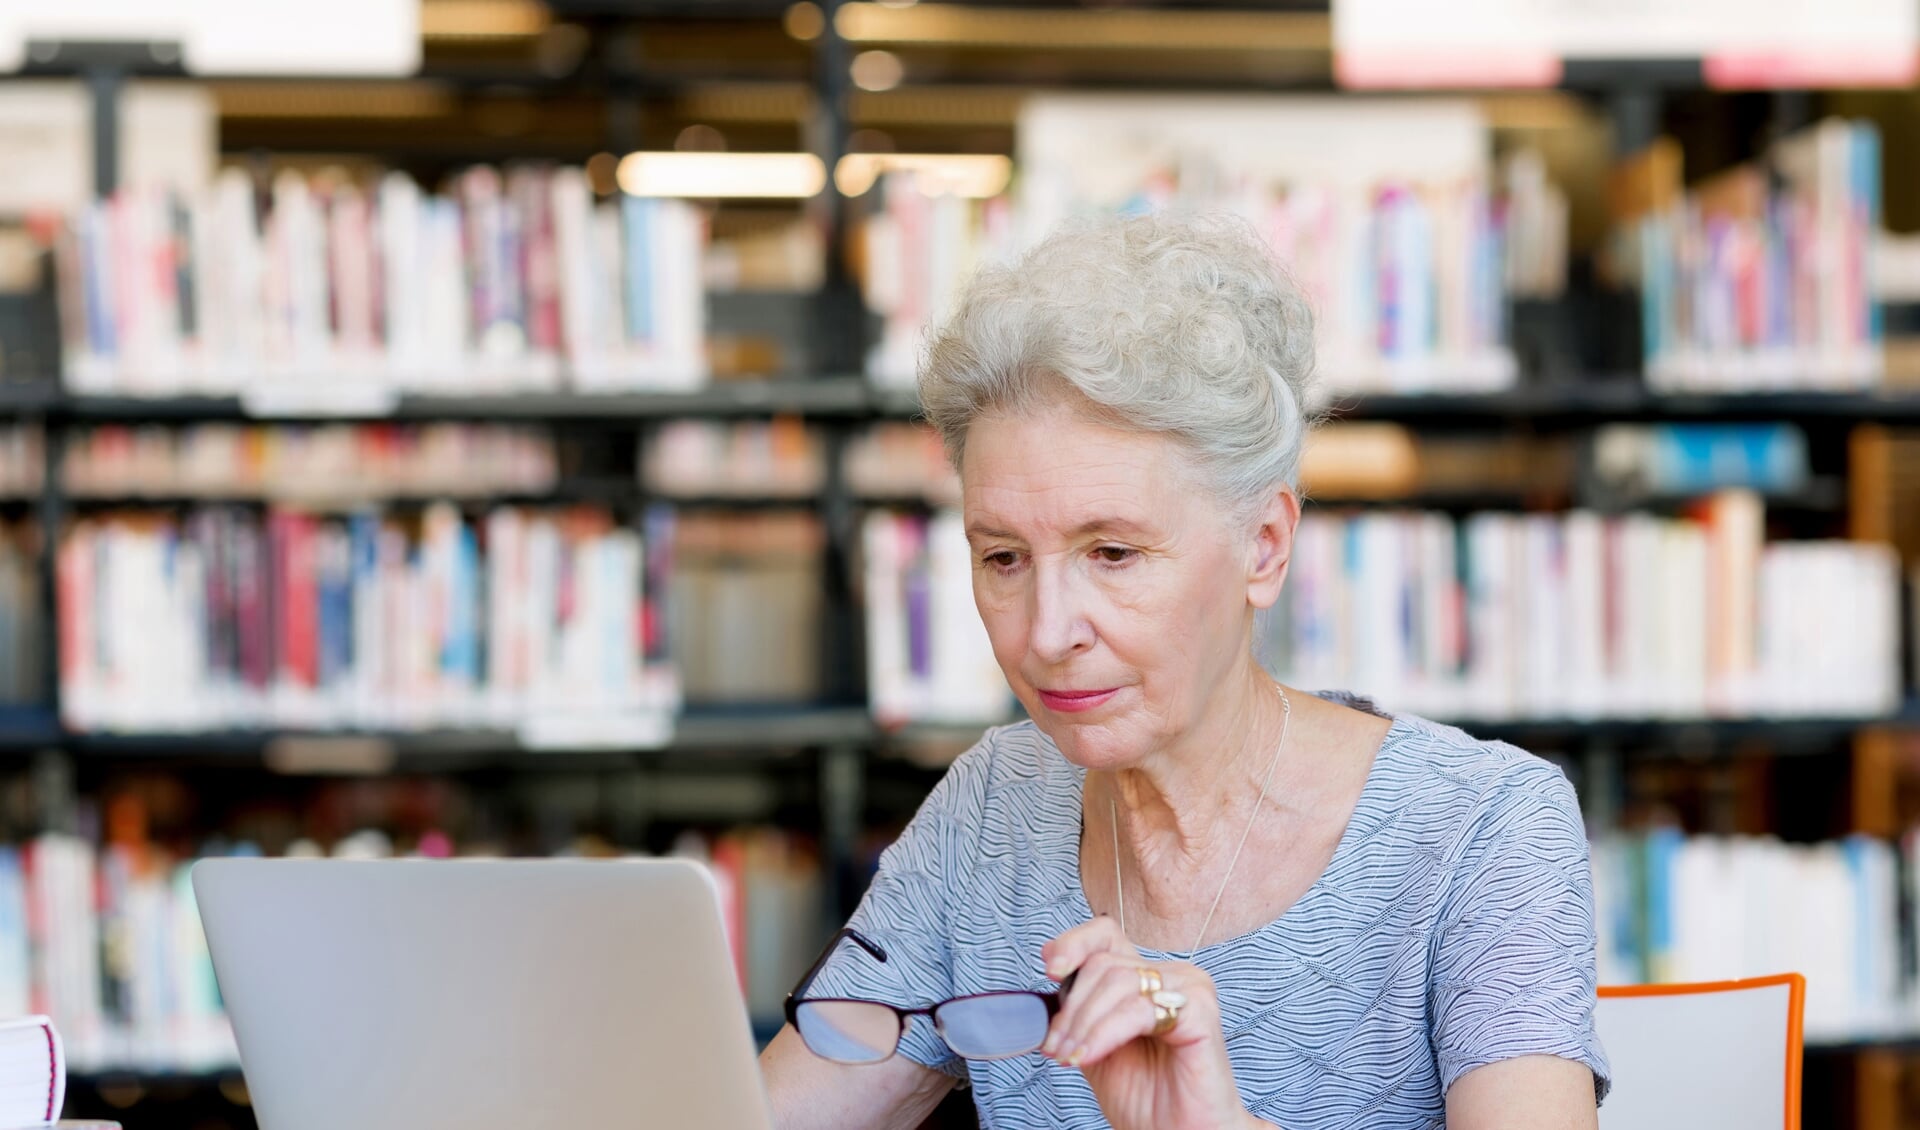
<point>804,21</point>
<point>702,175</point>
<point>973,175</point>
<point>877,70</point>
<point>483,19</point>
<point>1048,26</point>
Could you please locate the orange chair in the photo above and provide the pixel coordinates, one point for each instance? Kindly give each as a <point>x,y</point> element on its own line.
<point>1723,1053</point>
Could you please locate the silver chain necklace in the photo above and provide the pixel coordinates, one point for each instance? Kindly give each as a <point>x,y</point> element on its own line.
<point>1113,822</point>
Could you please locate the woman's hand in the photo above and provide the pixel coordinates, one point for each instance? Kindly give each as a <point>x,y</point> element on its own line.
<point>1178,1080</point>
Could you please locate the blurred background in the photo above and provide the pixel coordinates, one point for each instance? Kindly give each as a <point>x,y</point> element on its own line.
<point>457,427</point>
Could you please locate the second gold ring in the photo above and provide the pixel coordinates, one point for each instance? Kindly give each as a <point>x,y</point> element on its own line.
<point>1149,981</point>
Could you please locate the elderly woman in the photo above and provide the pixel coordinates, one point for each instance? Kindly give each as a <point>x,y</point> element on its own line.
<point>1184,895</point>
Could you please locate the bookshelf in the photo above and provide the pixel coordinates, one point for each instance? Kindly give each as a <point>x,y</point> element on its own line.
<point>855,774</point>
<point>1568,403</point>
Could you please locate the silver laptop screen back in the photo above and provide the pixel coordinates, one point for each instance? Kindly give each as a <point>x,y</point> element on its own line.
<point>487,995</point>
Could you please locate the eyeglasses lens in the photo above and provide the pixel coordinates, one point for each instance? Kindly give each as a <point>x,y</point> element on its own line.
<point>994,1026</point>
<point>848,1031</point>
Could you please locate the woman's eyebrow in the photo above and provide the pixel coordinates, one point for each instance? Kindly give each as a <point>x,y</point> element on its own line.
<point>1094,526</point>
<point>975,531</point>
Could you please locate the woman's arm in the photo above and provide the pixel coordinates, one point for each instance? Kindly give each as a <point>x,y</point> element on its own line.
<point>810,1093</point>
<point>1535,1092</point>
<point>1512,977</point>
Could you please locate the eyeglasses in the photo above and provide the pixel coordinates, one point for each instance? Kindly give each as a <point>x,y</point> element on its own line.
<point>981,1026</point>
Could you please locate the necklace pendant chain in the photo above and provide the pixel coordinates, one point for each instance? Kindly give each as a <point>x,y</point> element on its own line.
<point>1113,824</point>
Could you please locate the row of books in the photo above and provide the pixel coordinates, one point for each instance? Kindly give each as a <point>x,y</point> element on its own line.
<point>919,248</point>
<point>889,460</point>
<point>335,292</point>
<point>785,458</point>
<point>780,458</point>
<point>1388,214</point>
<point>231,617</point>
<point>747,605</point>
<point>235,616</point>
<point>108,942</point>
<point>1672,907</point>
<point>1760,277</point>
<point>1629,460</point>
<point>928,655</point>
<point>1407,279</point>
<point>1619,463</point>
<point>325,462</point>
<point>1582,615</point>
<point>897,460</point>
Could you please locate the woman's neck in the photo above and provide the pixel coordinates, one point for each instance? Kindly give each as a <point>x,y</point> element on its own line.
<point>1180,812</point>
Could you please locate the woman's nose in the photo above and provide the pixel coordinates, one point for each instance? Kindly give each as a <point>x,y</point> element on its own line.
<point>1059,624</point>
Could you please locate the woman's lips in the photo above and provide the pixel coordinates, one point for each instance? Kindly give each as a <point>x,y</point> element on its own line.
<point>1073,702</point>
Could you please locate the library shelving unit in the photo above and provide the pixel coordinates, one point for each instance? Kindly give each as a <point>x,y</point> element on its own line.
<point>851,774</point>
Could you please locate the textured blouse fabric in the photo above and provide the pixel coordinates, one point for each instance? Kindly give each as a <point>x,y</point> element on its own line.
<point>1453,928</point>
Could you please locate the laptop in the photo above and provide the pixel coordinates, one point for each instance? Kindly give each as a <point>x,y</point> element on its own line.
<point>485,995</point>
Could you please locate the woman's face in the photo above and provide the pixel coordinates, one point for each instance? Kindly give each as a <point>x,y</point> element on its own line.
<point>1115,590</point>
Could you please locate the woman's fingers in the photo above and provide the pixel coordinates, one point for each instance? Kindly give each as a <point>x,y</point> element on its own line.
<point>1105,1033</point>
<point>1108,985</point>
<point>1071,950</point>
<point>1107,1009</point>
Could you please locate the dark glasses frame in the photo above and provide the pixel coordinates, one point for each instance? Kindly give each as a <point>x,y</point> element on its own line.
<point>798,997</point>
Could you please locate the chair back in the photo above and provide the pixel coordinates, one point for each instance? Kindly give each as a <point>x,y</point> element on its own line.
<point>1725,1053</point>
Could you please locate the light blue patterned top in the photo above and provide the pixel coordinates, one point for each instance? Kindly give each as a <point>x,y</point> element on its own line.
<point>1452,928</point>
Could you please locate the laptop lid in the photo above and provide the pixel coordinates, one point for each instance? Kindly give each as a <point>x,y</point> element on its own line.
<point>488,995</point>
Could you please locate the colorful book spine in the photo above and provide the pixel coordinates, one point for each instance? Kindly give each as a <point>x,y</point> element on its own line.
<point>227,617</point>
<point>342,295</point>
<point>1586,615</point>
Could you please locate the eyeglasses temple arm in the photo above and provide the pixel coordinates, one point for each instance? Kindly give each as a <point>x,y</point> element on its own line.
<point>833,943</point>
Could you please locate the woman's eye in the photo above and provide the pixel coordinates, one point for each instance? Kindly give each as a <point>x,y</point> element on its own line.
<point>1115,554</point>
<point>1005,560</point>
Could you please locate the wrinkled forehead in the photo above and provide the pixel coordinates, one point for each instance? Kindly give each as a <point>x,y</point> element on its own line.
<point>1056,472</point>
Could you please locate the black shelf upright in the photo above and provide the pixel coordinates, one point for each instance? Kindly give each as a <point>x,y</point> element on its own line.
<point>104,66</point>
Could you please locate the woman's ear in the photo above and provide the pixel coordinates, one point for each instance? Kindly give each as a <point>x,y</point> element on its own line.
<point>1272,547</point>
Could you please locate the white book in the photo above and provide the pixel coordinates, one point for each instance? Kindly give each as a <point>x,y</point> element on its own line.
<point>403,278</point>
<point>1640,579</point>
<point>542,595</point>
<point>969,685</point>
<point>1684,622</point>
<point>1543,598</point>
<point>506,674</point>
<point>572,206</point>
<point>888,673</point>
<point>1586,611</point>
<point>1490,615</point>
<point>16,955</point>
<point>1379,582</point>
<point>1441,627</point>
<point>33,1072</point>
<point>1736,534</point>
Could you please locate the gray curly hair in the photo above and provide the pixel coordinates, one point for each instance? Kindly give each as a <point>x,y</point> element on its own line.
<point>1180,325</point>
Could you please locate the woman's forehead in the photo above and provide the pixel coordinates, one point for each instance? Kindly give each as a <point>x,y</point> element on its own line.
<point>1060,475</point>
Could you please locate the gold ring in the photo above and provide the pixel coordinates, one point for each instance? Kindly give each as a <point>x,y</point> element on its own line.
<point>1168,1006</point>
<point>1149,981</point>
<point>1166,1010</point>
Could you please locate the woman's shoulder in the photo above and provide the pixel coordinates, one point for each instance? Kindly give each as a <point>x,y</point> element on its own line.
<point>1013,769</point>
<point>1014,756</point>
<point>1438,756</point>
<point>1465,789</point>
